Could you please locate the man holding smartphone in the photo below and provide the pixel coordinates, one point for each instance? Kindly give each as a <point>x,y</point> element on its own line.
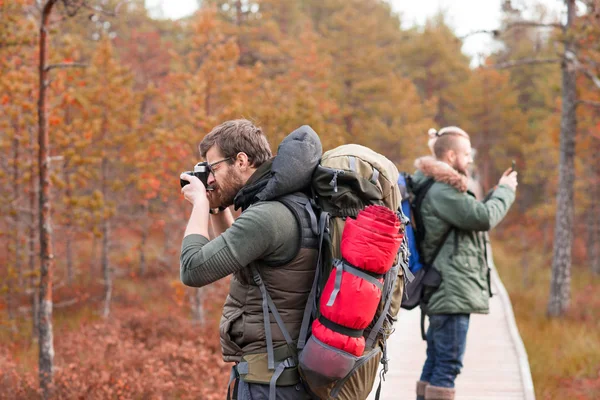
<point>450,211</point>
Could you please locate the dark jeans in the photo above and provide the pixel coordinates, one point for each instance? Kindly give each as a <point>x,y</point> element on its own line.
<point>255,391</point>
<point>446,342</point>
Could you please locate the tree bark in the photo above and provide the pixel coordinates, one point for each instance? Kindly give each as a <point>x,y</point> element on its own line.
<point>94,257</point>
<point>69,211</point>
<point>196,301</point>
<point>9,294</point>
<point>33,194</point>
<point>12,245</point>
<point>16,202</point>
<point>560,285</point>
<point>106,242</point>
<point>592,231</point>
<point>69,229</point>
<point>145,229</point>
<point>46,343</point>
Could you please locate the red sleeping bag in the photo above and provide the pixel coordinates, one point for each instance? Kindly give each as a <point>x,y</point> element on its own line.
<point>370,244</point>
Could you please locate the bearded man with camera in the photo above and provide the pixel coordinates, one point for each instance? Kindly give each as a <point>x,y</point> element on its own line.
<point>269,246</point>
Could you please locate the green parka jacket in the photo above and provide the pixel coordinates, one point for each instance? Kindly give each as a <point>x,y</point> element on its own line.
<point>462,261</point>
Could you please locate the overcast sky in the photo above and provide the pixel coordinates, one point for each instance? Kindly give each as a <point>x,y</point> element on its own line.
<point>463,15</point>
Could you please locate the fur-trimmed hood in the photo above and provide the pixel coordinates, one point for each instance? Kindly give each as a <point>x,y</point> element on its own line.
<point>442,172</point>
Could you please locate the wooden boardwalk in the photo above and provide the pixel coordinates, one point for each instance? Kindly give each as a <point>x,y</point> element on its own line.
<point>495,364</point>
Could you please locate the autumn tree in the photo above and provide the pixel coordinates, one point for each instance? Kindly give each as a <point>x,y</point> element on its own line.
<point>431,57</point>
<point>46,352</point>
<point>588,146</point>
<point>16,86</point>
<point>114,118</point>
<point>570,64</point>
<point>492,116</point>
<point>378,105</point>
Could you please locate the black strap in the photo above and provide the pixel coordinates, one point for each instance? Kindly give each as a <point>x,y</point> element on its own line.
<point>423,335</point>
<point>233,377</point>
<point>440,245</point>
<point>416,209</point>
<point>381,379</point>
<point>425,301</point>
<point>355,333</point>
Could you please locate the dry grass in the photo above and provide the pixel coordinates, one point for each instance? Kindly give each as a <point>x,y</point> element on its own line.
<point>148,348</point>
<point>564,354</point>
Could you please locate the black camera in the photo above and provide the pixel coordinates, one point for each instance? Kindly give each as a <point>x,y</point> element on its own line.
<point>201,171</point>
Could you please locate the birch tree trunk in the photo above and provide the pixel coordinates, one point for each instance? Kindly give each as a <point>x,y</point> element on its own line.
<point>46,343</point>
<point>560,285</point>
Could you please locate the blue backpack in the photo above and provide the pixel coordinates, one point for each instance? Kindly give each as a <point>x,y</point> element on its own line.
<point>414,260</point>
<point>424,274</point>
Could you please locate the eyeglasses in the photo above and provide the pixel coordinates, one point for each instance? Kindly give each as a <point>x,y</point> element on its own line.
<point>211,167</point>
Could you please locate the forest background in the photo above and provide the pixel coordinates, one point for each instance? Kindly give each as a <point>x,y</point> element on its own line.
<point>127,100</point>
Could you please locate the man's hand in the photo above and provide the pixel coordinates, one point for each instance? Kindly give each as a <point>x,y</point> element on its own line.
<point>195,192</point>
<point>509,178</point>
<point>212,199</point>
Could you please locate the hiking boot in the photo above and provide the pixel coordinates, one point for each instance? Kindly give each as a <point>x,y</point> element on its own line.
<point>421,389</point>
<point>438,393</point>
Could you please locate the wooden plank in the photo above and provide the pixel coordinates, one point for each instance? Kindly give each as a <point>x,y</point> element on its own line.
<point>494,366</point>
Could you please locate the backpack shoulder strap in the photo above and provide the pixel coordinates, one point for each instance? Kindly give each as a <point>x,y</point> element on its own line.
<point>267,304</point>
<point>302,208</point>
<point>310,310</point>
<point>416,209</point>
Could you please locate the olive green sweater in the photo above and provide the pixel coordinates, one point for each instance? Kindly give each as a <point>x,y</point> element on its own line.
<point>267,231</point>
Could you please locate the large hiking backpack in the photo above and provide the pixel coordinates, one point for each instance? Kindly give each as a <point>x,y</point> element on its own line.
<point>348,180</point>
<point>345,182</point>
<point>424,279</point>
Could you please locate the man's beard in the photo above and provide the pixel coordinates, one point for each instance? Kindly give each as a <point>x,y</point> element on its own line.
<point>460,170</point>
<point>227,190</point>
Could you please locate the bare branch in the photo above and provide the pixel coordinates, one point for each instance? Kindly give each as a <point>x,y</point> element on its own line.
<point>55,158</point>
<point>584,68</point>
<point>72,9</point>
<point>532,24</point>
<point>103,11</point>
<point>591,62</point>
<point>497,32</point>
<point>494,32</point>
<point>66,303</point>
<point>65,65</point>
<point>592,77</point>
<point>590,103</point>
<point>524,61</point>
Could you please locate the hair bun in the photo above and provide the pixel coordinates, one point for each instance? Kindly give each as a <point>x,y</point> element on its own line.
<point>432,133</point>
